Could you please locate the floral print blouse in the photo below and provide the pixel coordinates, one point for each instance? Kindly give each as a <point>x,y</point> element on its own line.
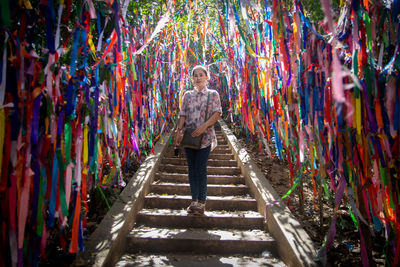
<point>194,108</point>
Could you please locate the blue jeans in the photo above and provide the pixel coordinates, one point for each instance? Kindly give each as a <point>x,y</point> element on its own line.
<point>197,164</point>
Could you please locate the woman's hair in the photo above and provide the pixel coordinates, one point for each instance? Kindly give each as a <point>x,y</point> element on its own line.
<point>202,68</point>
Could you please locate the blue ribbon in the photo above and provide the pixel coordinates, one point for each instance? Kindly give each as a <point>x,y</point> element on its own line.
<point>70,97</point>
<point>74,51</point>
<point>50,18</point>
<point>54,180</point>
<point>277,141</point>
<point>84,48</point>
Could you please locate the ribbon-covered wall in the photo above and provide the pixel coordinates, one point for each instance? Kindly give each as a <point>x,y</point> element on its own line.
<point>329,95</point>
<point>80,94</point>
<point>82,88</point>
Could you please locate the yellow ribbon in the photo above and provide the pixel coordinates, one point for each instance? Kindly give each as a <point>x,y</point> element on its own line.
<point>27,4</point>
<point>253,54</point>
<point>358,115</point>
<point>91,45</point>
<point>85,145</point>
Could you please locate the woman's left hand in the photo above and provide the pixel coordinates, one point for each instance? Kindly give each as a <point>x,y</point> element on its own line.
<point>201,129</point>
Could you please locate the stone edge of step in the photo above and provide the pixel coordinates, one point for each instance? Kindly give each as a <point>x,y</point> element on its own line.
<point>210,214</point>
<point>179,259</point>
<point>161,183</point>
<point>200,234</point>
<point>294,245</point>
<point>209,198</point>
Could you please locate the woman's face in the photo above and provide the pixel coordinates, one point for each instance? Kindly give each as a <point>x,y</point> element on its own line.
<point>199,78</point>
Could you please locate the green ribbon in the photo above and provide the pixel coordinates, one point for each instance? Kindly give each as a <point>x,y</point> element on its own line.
<point>5,12</point>
<point>61,184</point>
<point>367,21</point>
<point>384,176</point>
<point>104,197</point>
<point>296,183</point>
<point>67,140</point>
<point>328,195</point>
<point>353,218</point>
<point>115,64</point>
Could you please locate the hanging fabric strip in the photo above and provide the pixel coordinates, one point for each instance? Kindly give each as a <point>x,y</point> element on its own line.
<point>160,25</point>
<point>50,16</point>
<point>2,135</point>
<point>101,35</point>
<point>60,10</point>
<point>108,49</point>
<point>3,71</point>
<point>5,12</point>
<point>74,51</point>
<point>75,224</point>
<point>23,207</point>
<point>12,218</point>
<point>61,184</point>
<point>54,181</point>
<point>337,79</point>
<point>92,11</point>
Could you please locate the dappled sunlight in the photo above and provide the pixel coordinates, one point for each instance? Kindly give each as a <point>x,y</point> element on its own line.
<point>283,223</point>
<point>89,89</point>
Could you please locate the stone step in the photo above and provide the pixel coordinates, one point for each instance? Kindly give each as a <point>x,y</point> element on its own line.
<point>218,155</point>
<point>163,240</point>
<point>215,155</point>
<point>198,260</point>
<point>227,203</point>
<point>221,142</point>
<point>210,162</point>
<point>222,150</point>
<point>170,218</point>
<point>211,179</point>
<point>212,189</point>
<point>210,169</point>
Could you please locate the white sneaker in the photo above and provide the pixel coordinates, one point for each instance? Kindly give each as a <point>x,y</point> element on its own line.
<point>192,207</point>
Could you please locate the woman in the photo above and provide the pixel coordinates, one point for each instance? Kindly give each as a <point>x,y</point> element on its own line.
<point>192,115</point>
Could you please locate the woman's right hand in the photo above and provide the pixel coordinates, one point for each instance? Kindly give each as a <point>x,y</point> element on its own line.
<point>178,136</point>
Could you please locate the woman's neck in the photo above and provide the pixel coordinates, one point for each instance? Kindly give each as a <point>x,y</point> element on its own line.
<point>201,89</point>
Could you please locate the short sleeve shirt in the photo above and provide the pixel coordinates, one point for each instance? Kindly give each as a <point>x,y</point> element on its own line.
<point>194,108</point>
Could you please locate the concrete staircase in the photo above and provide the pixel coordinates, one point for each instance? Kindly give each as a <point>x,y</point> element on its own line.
<point>230,233</point>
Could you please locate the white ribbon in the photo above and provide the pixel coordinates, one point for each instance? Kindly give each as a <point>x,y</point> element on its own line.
<point>161,24</point>
<point>92,10</point>
<point>60,9</point>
